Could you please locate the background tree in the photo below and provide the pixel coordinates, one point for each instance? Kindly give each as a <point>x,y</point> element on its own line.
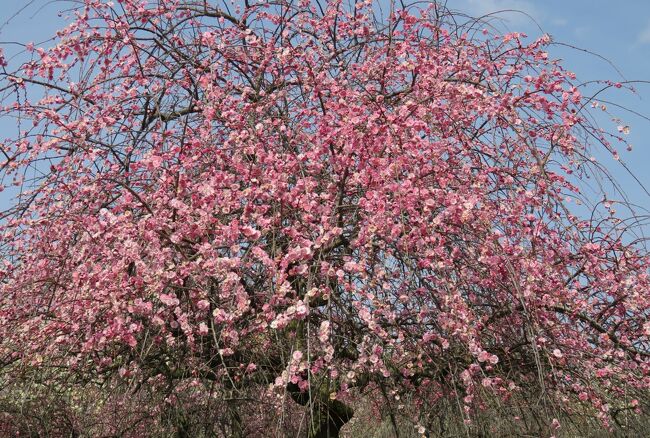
<point>279,216</point>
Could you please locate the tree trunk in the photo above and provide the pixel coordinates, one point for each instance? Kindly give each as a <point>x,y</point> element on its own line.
<point>327,416</point>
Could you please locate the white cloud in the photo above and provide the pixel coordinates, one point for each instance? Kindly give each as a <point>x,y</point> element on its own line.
<point>517,12</point>
<point>559,22</point>
<point>582,32</point>
<point>644,35</point>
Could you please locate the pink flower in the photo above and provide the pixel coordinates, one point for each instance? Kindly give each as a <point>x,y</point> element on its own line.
<point>203,329</point>
<point>168,300</point>
<point>251,233</point>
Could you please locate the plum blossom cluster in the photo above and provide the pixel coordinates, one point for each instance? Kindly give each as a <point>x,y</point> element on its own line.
<point>296,199</point>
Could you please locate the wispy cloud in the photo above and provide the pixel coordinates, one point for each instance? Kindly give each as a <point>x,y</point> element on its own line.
<point>517,12</point>
<point>643,37</point>
<point>559,22</point>
<point>582,32</point>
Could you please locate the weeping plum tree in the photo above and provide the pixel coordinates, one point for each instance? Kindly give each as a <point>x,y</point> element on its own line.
<point>266,218</point>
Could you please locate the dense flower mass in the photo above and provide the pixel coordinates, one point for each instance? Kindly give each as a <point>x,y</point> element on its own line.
<point>270,208</point>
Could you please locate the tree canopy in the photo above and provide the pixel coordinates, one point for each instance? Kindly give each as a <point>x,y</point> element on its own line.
<point>260,217</point>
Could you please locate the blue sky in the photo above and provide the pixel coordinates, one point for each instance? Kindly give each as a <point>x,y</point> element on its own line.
<point>617,31</point>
